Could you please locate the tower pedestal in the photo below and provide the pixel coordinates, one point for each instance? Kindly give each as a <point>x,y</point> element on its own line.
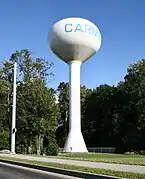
<point>75,141</point>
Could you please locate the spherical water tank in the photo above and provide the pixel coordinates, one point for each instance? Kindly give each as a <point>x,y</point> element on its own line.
<point>74,39</point>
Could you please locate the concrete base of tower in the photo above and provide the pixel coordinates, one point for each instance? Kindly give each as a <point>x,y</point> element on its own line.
<point>75,143</point>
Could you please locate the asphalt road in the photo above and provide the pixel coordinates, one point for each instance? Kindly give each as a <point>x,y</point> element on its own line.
<point>8,171</point>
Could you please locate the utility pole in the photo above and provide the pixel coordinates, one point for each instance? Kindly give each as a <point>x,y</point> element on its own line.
<point>13,132</point>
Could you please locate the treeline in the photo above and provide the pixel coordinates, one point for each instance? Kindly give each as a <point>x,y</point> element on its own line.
<point>112,116</point>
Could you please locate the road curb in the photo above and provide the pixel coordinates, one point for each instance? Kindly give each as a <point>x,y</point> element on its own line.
<point>59,171</point>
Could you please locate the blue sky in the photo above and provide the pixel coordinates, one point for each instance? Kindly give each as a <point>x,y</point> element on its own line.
<point>25,24</point>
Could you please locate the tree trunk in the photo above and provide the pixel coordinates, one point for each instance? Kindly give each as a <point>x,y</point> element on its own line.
<point>42,145</point>
<point>38,142</point>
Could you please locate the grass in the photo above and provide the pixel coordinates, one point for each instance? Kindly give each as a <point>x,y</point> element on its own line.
<point>107,158</point>
<point>82,169</point>
<point>130,159</point>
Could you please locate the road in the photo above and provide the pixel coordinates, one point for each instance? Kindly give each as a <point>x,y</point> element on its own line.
<point>8,171</point>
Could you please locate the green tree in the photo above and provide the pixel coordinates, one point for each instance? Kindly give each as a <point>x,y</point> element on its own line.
<point>98,118</point>
<point>63,94</point>
<point>4,140</point>
<point>132,125</point>
<point>37,112</point>
<point>63,103</point>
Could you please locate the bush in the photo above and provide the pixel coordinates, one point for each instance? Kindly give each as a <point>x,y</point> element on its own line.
<point>141,152</point>
<point>4,140</point>
<point>52,148</point>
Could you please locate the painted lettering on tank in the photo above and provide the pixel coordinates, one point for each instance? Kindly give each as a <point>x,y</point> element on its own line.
<point>83,28</point>
<point>68,28</point>
<point>78,28</point>
<point>88,29</point>
<point>96,32</point>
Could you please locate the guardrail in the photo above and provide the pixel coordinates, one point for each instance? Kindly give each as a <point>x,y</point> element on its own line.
<point>95,150</point>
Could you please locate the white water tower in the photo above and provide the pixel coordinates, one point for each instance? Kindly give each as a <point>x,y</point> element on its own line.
<point>74,40</point>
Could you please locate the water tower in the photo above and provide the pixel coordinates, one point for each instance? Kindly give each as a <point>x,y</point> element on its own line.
<point>74,40</point>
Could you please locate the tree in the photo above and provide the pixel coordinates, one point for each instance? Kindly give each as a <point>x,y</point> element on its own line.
<point>37,112</point>
<point>63,102</point>
<point>63,94</point>
<point>99,117</point>
<point>4,140</point>
<point>111,116</point>
<point>132,126</point>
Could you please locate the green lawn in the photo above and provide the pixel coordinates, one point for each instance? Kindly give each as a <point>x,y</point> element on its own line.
<point>82,169</point>
<point>107,158</point>
<point>130,159</point>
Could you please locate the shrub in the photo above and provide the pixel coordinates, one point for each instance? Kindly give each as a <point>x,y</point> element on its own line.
<point>4,140</point>
<point>140,152</point>
<point>52,147</point>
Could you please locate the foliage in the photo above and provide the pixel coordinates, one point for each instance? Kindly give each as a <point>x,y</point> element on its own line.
<point>63,94</point>
<point>52,148</point>
<point>4,140</point>
<point>112,116</point>
<point>37,111</point>
<point>62,130</point>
